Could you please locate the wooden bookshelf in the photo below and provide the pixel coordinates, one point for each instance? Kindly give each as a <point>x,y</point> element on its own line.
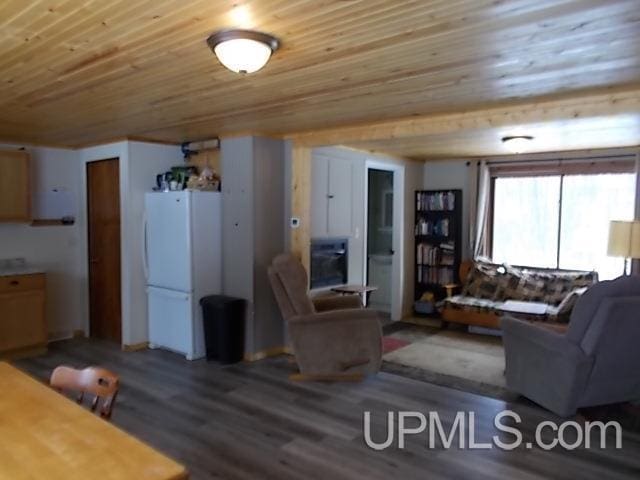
<point>438,240</point>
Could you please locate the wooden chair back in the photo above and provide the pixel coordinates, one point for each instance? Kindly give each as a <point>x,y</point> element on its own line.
<point>465,268</point>
<point>102,384</point>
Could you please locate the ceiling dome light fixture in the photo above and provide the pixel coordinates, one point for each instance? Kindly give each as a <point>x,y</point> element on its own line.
<point>243,51</point>
<point>517,143</point>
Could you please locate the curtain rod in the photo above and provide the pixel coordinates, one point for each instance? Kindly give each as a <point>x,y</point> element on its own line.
<point>629,156</point>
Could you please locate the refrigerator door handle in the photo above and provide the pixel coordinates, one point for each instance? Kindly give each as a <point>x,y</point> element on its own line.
<point>145,256</point>
<point>172,294</point>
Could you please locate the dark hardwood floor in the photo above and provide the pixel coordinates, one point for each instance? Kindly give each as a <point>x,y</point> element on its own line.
<point>248,421</point>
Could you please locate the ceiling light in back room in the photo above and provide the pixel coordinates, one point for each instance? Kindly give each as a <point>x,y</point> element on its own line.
<point>517,143</point>
<point>243,51</point>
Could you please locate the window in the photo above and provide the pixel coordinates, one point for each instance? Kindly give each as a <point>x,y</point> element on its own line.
<point>529,238</point>
<point>387,210</point>
<point>560,220</point>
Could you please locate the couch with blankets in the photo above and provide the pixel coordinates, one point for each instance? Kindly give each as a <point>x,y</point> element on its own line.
<point>490,291</point>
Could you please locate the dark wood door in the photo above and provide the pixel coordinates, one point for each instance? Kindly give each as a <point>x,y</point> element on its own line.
<point>103,205</point>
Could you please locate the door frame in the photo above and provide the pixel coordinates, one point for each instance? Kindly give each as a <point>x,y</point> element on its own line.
<point>397,267</point>
<point>120,151</point>
<point>87,236</point>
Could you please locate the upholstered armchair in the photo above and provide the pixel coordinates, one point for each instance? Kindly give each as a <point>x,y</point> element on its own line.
<point>597,360</point>
<point>332,337</point>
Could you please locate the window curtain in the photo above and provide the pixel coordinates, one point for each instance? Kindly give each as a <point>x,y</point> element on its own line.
<point>480,210</point>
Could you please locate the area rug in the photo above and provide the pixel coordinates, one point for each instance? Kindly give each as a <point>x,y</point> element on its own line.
<point>390,344</point>
<point>452,358</point>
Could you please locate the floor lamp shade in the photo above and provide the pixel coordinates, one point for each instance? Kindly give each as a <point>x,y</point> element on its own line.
<point>624,239</point>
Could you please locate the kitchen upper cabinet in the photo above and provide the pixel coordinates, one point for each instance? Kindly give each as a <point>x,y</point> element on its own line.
<point>331,197</point>
<point>319,196</point>
<point>340,187</point>
<point>15,192</point>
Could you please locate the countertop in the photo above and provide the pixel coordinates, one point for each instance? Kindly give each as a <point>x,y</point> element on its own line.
<point>17,266</point>
<point>26,270</point>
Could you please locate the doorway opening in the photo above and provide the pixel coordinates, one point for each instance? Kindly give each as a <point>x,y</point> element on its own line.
<point>103,232</point>
<point>380,237</point>
<point>383,236</point>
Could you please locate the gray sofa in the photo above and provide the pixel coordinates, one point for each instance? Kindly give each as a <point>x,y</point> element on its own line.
<point>332,337</point>
<point>596,362</point>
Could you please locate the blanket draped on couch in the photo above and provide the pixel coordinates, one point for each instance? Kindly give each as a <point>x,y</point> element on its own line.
<point>488,287</point>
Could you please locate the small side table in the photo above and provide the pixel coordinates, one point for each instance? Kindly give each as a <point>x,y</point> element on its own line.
<point>451,288</point>
<point>363,290</point>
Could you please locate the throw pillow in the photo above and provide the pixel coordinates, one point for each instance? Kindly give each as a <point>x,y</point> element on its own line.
<point>510,283</point>
<point>525,286</point>
<point>567,304</point>
<point>482,282</point>
<point>532,289</point>
<point>562,284</point>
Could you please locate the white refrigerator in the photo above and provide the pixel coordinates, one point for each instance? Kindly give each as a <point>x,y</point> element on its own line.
<point>182,256</point>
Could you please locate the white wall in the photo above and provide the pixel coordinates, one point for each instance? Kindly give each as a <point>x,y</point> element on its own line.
<point>53,248</point>
<point>146,160</point>
<point>413,175</point>
<point>139,164</point>
<point>253,216</point>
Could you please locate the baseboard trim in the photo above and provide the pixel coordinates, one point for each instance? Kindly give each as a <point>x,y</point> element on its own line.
<point>424,322</point>
<point>78,334</point>
<point>134,347</point>
<point>269,352</point>
<point>59,336</point>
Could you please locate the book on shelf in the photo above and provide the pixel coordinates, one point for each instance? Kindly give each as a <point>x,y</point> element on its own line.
<point>432,255</point>
<point>435,228</point>
<point>435,275</point>
<point>439,201</point>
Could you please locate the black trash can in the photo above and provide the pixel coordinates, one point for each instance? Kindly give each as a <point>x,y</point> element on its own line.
<point>223,319</point>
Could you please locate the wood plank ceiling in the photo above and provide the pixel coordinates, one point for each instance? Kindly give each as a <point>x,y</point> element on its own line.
<point>77,72</point>
<point>569,135</point>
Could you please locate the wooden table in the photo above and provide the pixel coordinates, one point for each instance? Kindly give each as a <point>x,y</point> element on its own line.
<point>44,435</point>
<point>363,290</point>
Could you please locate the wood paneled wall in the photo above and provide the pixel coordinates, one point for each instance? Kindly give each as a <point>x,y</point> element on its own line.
<point>79,72</point>
<point>301,203</point>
